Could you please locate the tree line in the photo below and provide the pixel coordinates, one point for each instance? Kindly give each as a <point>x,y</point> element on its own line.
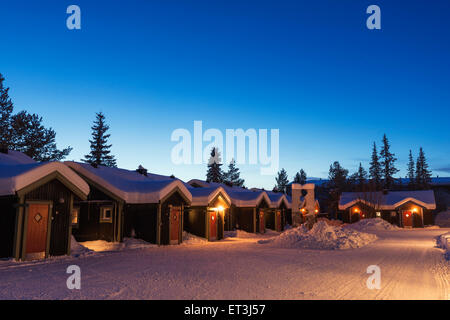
<point>25,132</point>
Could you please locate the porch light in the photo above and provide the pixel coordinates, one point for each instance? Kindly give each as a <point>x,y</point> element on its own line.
<point>220,208</point>
<point>316,211</point>
<point>415,210</point>
<point>378,214</point>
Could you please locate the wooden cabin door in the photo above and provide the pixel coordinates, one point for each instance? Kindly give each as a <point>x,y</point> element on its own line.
<point>175,216</point>
<point>278,220</point>
<point>37,230</point>
<point>262,224</point>
<point>212,225</point>
<point>407,218</point>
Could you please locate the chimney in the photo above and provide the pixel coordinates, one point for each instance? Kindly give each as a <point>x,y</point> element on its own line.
<point>142,170</point>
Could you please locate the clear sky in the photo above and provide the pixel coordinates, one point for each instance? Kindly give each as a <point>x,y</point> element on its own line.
<point>308,68</point>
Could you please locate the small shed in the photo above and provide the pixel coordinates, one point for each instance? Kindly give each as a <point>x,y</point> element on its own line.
<point>249,210</point>
<point>133,204</point>
<point>36,201</point>
<point>206,215</point>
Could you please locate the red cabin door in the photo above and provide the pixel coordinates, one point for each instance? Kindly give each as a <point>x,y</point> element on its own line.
<point>262,224</point>
<point>407,219</point>
<point>278,221</point>
<point>212,225</point>
<point>37,230</point>
<point>175,215</point>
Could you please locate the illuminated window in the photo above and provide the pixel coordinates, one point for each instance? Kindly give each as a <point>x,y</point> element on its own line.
<point>106,214</point>
<point>378,214</point>
<point>75,216</point>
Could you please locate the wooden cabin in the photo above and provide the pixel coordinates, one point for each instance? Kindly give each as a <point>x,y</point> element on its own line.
<point>248,207</point>
<point>206,215</point>
<point>126,203</point>
<point>36,203</point>
<point>275,218</point>
<point>408,209</point>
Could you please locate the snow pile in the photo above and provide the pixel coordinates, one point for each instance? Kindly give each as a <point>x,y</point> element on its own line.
<point>128,243</point>
<point>444,243</point>
<point>335,223</point>
<point>189,238</point>
<point>321,236</point>
<point>77,249</point>
<point>443,219</point>
<point>375,224</point>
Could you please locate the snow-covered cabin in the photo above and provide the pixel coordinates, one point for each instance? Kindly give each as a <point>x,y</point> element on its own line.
<point>206,215</point>
<point>402,208</point>
<point>125,203</point>
<point>247,211</point>
<point>36,201</point>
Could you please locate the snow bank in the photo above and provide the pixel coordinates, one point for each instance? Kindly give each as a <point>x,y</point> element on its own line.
<point>189,238</point>
<point>444,243</point>
<point>77,249</point>
<point>443,219</point>
<point>335,223</point>
<point>375,224</point>
<point>321,236</point>
<point>128,243</point>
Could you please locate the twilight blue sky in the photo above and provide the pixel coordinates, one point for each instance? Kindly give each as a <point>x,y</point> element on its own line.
<point>309,68</point>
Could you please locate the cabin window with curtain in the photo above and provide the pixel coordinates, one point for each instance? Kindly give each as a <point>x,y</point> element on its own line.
<point>75,217</point>
<point>106,214</point>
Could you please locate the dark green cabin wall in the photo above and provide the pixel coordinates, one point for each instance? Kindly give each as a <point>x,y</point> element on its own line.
<point>195,221</point>
<point>61,216</point>
<point>89,227</point>
<point>7,225</point>
<point>142,219</point>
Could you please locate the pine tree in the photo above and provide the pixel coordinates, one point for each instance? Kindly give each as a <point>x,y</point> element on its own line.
<point>6,109</point>
<point>29,136</point>
<point>232,176</point>
<point>337,176</point>
<point>361,175</point>
<point>411,173</point>
<point>100,154</point>
<point>300,177</point>
<point>375,168</point>
<point>214,173</point>
<point>388,168</point>
<point>282,181</point>
<point>423,175</point>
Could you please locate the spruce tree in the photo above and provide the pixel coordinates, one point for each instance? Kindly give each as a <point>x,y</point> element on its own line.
<point>423,175</point>
<point>214,173</point>
<point>300,177</point>
<point>375,168</point>
<point>29,136</point>
<point>100,154</point>
<point>6,109</point>
<point>337,176</point>
<point>411,173</point>
<point>361,175</point>
<point>282,181</point>
<point>232,176</point>
<point>388,168</point>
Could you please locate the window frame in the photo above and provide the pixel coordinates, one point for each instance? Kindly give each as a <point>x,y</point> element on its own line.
<point>77,224</point>
<point>104,219</point>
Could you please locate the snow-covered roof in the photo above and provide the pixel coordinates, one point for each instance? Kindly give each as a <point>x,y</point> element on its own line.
<point>390,200</point>
<point>15,177</point>
<point>204,196</point>
<point>131,186</point>
<point>276,198</point>
<point>15,157</point>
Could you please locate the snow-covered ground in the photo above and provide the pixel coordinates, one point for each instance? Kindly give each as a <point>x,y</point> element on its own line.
<point>412,267</point>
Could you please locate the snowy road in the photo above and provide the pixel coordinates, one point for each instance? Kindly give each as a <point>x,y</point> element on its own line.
<point>411,268</point>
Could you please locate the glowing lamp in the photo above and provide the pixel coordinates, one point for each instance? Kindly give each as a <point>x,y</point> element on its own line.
<point>407,215</point>
<point>316,211</point>
<point>220,208</point>
<point>415,210</point>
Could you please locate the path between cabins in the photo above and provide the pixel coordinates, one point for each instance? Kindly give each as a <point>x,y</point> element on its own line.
<point>239,268</point>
